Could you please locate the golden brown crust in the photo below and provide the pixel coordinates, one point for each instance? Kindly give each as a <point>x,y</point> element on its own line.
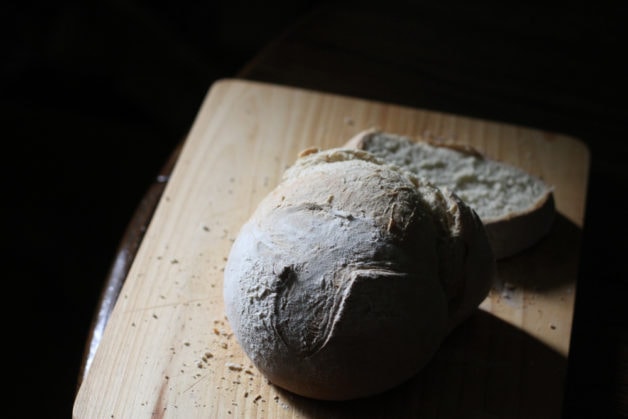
<point>358,140</point>
<point>308,151</point>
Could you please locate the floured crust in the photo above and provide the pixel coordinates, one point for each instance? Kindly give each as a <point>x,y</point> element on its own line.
<point>510,232</point>
<point>350,273</point>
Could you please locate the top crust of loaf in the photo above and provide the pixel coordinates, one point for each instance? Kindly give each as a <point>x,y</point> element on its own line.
<point>349,274</point>
<point>516,207</point>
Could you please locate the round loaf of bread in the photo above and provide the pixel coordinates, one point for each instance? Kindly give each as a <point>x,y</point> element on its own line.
<point>349,275</point>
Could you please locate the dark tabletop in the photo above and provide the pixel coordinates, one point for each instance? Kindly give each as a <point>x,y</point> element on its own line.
<point>98,98</point>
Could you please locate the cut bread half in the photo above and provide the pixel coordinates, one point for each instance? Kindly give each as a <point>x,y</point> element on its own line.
<point>516,208</point>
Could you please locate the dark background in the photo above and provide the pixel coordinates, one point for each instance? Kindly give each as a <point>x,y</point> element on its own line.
<point>94,97</point>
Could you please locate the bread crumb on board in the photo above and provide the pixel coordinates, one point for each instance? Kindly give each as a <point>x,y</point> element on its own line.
<point>234,367</point>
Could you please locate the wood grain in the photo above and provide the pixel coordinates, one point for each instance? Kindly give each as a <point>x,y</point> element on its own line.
<point>168,351</point>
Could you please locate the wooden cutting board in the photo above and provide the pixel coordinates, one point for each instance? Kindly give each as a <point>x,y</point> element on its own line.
<point>168,351</point>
